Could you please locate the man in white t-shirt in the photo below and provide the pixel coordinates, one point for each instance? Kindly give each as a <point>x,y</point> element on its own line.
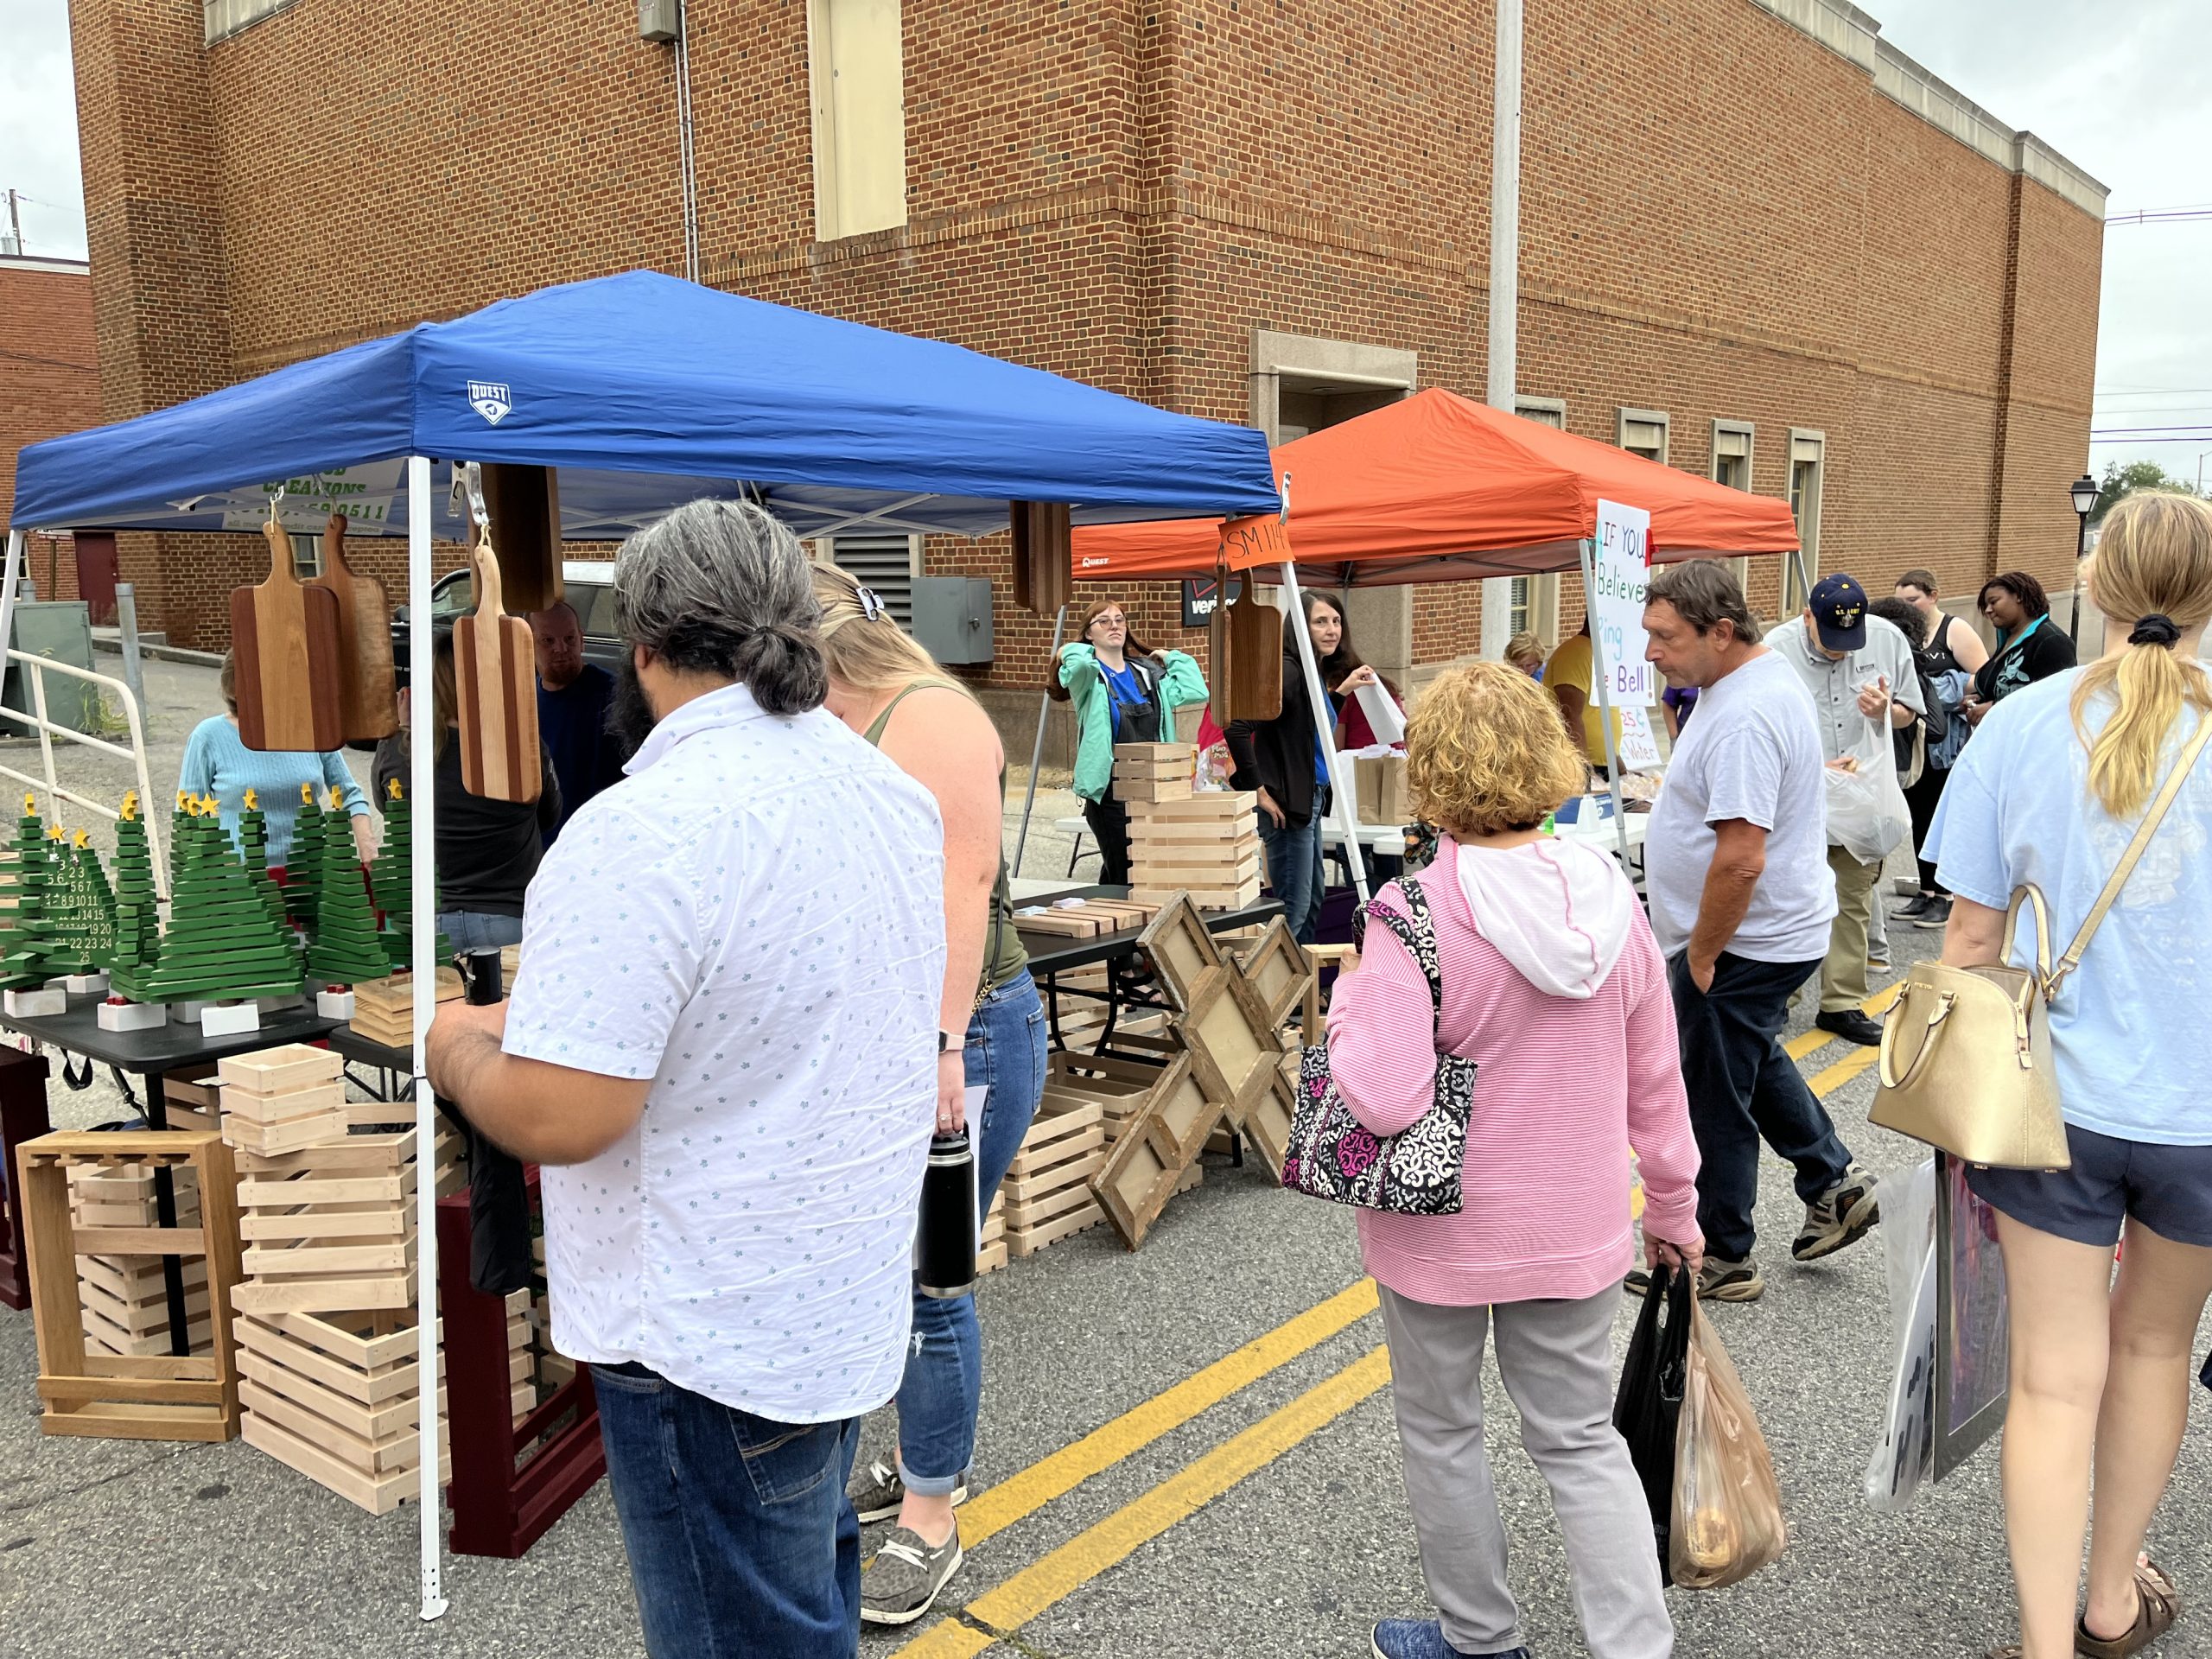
<point>1737,871</point>
<point>722,1048</point>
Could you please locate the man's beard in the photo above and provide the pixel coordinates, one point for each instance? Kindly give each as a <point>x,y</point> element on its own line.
<point>630,716</point>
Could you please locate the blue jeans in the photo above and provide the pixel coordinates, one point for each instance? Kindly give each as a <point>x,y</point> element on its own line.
<point>1742,1087</point>
<point>739,1536</point>
<point>941,1394</point>
<point>1294,869</point>
<point>477,930</point>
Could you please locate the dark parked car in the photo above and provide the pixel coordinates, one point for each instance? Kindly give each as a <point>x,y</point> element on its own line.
<point>588,590</point>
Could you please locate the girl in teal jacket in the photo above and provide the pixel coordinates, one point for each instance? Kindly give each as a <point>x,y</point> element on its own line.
<point>1123,694</point>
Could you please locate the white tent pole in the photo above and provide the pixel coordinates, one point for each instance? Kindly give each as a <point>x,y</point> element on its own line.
<point>1346,807</point>
<point>1604,701</point>
<point>1504,274</point>
<point>17,540</point>
<point>1037,749</point>
<point>422,736</point>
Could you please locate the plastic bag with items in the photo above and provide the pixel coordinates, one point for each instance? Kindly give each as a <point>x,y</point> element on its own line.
<point>1648,1410</point>
<point>1904,1456</point>
<point>1727,1518</point>
<point>1868,815</point>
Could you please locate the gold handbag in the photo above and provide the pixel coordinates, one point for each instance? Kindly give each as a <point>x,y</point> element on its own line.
<point>1966,1053</point>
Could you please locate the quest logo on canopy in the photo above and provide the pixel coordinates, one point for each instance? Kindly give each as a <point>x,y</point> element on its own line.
<point>490,399</point>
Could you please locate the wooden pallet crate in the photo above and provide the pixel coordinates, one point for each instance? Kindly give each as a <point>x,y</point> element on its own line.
<point>384,1009</point>
<point>134,1397</point>
<point>337,1398</point>
<point>124,1298</point>
<point>279,1100</point>
<point>329,1229</point>
<point>1046,1192</point>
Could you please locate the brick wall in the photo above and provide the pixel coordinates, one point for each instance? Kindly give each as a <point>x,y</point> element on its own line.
<point>49,384</point>
<point>1722,218</point>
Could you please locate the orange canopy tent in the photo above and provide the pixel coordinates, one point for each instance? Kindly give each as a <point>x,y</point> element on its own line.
<point>1435,488</point>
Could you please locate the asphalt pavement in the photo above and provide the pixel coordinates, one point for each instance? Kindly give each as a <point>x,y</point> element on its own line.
<point>1187,1450</point>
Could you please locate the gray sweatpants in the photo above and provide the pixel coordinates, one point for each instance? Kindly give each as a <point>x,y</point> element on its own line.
<point>1556,1358</point>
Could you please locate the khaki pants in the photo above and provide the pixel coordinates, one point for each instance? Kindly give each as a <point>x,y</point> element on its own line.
<point>1843,975</point>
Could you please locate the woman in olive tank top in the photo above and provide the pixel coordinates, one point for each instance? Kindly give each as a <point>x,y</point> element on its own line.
<point>892,692</point>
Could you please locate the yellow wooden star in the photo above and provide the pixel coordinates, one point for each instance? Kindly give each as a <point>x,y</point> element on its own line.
<point>252,799</point>
<point>391,789</point>
<point>306,794</point>
<point>84,839</point>
<point>130,804</point>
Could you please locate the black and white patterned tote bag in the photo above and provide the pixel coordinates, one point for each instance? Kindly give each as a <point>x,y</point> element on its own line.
<point>1415,1171</point>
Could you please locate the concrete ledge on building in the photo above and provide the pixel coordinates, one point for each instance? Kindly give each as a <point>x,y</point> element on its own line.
<point>224,18</point>
<point>156,644</point>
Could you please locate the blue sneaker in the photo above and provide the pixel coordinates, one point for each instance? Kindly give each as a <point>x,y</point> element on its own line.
<point>1423,1639</point>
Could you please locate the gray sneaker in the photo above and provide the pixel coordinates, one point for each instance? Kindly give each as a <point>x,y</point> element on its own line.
<point>1718,1280</point>
<point>877,1492</point>
<point>1840,1217</point>
<point>898,1586</point>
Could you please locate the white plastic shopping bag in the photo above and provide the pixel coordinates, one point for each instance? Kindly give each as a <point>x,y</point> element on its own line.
<point>1904,1455</point>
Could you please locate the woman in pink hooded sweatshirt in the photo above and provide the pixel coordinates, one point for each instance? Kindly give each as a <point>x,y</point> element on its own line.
<point>1553,986</point>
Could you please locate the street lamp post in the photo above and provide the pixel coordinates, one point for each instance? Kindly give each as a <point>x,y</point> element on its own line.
<point>2085,491</point>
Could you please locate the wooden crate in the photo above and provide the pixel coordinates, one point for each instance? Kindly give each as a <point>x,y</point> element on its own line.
<point>279,1100</point>
<point>384,1009</point>
<point>329,1229</point>
<point>142,1396</point>
<point>1047,1194</point>
<point>337,1398</point>
<point>124,1298</point>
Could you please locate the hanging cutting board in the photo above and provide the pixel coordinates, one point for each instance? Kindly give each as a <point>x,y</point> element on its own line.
<point>1254,656</point>
<point>285,638</point>
<point>495,674</point>
<point>523,503</point>
<point>1043,555</point>
<point>368,709</point>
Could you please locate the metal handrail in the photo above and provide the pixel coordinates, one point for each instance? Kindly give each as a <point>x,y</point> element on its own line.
<point>55,793</point>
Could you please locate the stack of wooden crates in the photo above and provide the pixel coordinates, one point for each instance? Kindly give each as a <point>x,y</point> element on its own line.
<point>124,1297</point>
<point>1203,843</point>
<point>325,1326</point>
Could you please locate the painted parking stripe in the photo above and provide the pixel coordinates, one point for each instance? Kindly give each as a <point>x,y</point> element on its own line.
<point>1874,1007</point>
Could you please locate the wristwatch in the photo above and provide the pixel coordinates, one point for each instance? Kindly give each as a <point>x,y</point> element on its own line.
<point>949,1042</point>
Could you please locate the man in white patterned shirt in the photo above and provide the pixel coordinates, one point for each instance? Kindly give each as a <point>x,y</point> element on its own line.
<point>722,1046</point>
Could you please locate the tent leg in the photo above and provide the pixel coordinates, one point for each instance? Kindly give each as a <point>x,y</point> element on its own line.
<point>1347,807</point>
<point>1604,704</point>
<point>1804,580</point>
<point>422,882</point>
<point>17,540</point>
<point>1037,749</point>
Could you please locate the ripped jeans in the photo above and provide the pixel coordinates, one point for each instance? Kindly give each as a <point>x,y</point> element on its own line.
<point>941,1392</point>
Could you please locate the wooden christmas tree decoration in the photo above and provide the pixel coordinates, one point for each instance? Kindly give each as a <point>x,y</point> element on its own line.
<point>179,820</point>
<point>253,848</point>
<point>82,912</point>
<point>222,942</point>
<point>24,969</point>
<point>391,878</point>
<point>135,943</point>
<point>347,949</point>
<point>303,862</point>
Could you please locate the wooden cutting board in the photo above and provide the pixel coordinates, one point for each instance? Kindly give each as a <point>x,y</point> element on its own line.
<point>1043,555</point>
<point>368,707</point>
<point>496,675</point>
<point>523,503</point>
<point>285,637</point>
<point>1255,657</point>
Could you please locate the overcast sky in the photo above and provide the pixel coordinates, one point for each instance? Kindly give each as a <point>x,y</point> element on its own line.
<point>2123,89</point>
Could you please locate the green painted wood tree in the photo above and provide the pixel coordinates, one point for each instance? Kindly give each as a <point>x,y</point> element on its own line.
<point>82,910</point>
<point>135,943</point>
<point>303,862</point>
<point>347,948</point>
<point>31,876</point>
<point>222,942</point>
<point>391,878</point>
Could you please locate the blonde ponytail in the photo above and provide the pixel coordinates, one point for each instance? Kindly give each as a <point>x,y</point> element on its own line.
<point>2152,575</point>
<point>864,647</point>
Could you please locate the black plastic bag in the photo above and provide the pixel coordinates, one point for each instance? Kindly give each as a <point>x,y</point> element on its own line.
<point>1648,1410</point>
<point>2205,1375</point>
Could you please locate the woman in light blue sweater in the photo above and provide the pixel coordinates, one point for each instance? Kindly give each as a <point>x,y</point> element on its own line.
<point>217,762</point>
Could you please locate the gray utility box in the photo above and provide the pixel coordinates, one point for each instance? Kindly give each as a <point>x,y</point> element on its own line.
<point>952,618</point>
<point>60,629</point>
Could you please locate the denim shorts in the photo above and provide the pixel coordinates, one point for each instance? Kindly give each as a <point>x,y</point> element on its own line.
<point>2168,1189</point>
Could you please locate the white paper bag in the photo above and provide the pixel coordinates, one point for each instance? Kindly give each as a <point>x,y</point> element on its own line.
<point>1383,717</point>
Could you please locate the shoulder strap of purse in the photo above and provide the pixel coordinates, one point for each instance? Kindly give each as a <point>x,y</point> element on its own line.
<point>2133,857</point>
<point>1416,931</point>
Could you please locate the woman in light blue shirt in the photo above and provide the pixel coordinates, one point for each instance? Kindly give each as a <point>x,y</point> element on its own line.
<point>217,762</point>
<point>2051,791</point>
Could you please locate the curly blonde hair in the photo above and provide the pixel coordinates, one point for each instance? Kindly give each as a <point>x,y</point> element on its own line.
<point>1486,751</point>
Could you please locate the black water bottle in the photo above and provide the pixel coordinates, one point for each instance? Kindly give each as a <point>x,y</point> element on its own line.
<point>945,1235</point>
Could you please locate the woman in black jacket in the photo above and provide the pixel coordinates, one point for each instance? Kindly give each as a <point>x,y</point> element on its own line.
<point>1282,760</point>
<point>2030,645</point>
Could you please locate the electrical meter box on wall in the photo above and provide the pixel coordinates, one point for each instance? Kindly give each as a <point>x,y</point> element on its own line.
<point>659,20</point>
<point>952,618</point>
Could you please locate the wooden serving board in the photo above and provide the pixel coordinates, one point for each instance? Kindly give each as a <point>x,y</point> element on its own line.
<point>368,709</point>
<point>495,673</point>
<point>523,503</point>
<point>1254,657</point>
<point>285,637</point>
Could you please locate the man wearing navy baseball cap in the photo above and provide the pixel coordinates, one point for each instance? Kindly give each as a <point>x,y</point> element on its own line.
<point>1860,672</point>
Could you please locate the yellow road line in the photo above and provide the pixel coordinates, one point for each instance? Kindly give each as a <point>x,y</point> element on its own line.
<point>1874,1007</point>
<point>1000,1506</point>
<point>1827,1083</point>
<point>1038,1587</point>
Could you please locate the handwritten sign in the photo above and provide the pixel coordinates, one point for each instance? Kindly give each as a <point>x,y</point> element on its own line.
<point>1620,574</point>
<point>1260,539</point>
<point>364,494</point>
<point>1639,744</point>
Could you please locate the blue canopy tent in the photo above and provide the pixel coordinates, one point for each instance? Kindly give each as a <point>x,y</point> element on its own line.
<point>644,391</point>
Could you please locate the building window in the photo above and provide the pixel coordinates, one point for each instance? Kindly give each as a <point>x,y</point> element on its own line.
<point>1545,411</point>
<point>884,564</point>
<point>1731,454</point>
<point>1643,432</point>
<point>857,61</point>
<point>307,555</point>
<point>1807,456</point>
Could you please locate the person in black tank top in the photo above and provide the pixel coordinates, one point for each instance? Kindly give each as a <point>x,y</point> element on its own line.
<point>1953,648</point>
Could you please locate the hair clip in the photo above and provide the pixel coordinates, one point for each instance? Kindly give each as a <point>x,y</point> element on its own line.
<point>871,607</point>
